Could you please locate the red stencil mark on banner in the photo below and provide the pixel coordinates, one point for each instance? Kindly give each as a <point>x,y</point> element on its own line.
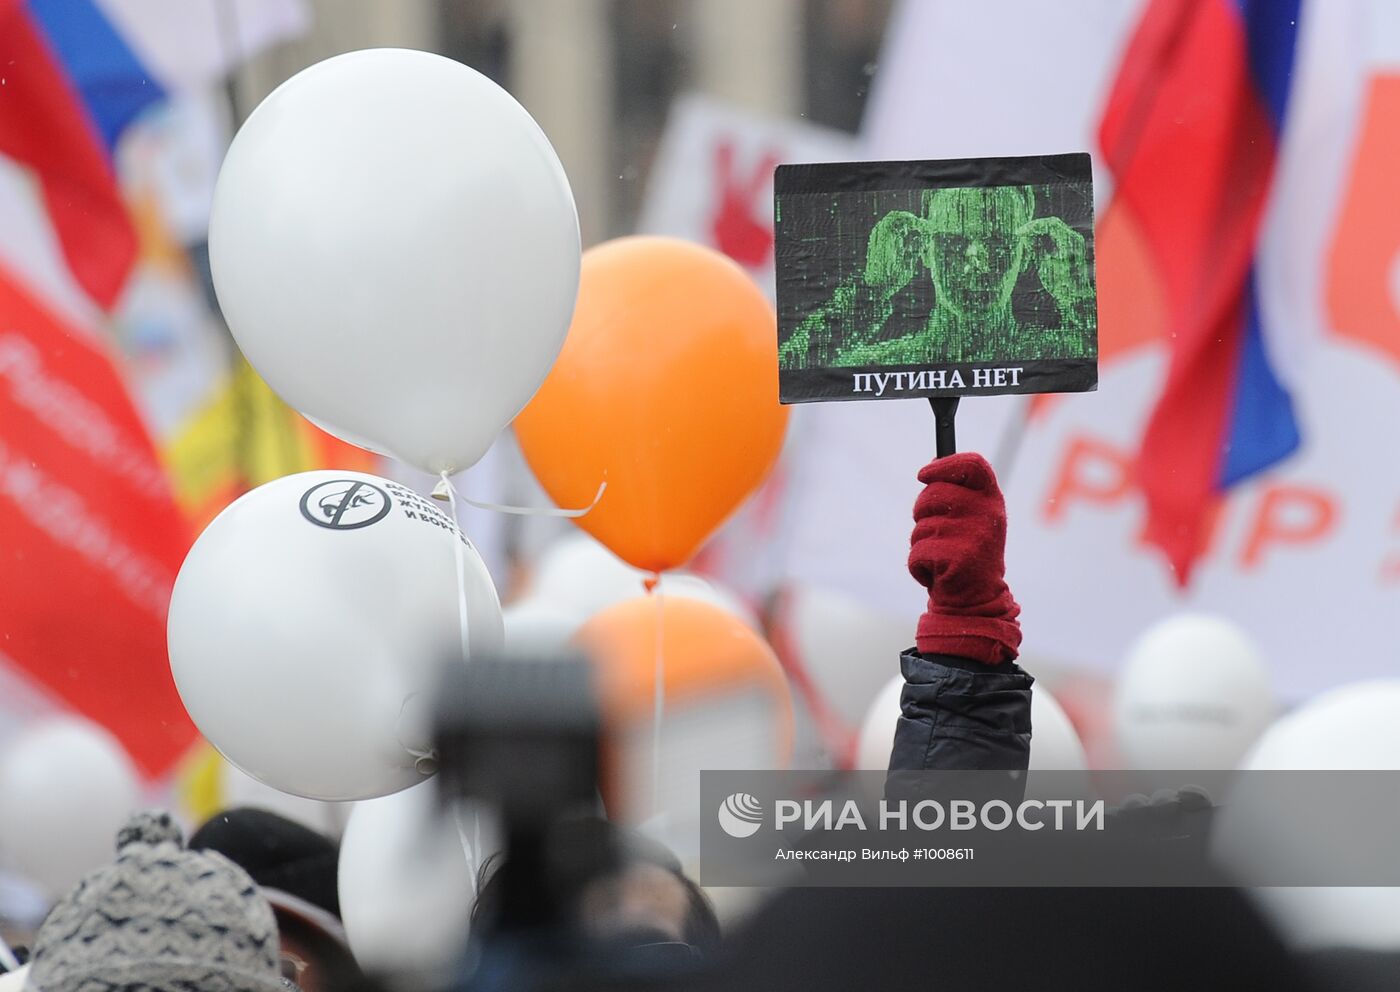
<point>1389,573</point>
<point>1097,476</point>
<point>1365,256</point>
<point>1288,515</point>
<point>90,536</point>
<point>741,226</point>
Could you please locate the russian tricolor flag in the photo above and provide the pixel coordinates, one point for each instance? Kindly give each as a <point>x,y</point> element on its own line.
<point>70,85</point>
<point>1192,131</point>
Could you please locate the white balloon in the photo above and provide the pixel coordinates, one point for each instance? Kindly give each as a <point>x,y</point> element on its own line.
<point>396,250</point>
<point>239,789</point>
<point>1194,694</point>
<point>536,629</point>
<point>407,881</point>
<point>1055,745</point>
<point>348,438</point>
<point>1353,727</point>
<point>66,788</point>
<point>579,575</point>
<point>307,626</point>
<point>576,572</point>
<point>1350,728</point>
<point>876,738</point>
<point>846,648</point>
<point>697,587</point>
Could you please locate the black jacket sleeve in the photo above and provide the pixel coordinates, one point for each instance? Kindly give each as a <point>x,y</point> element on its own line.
<point>960,715</point>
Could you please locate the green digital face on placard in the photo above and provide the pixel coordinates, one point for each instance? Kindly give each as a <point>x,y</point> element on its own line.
<point>916,269</point>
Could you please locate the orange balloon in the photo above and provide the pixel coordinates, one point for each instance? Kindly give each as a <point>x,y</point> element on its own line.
<point>711,663</point>
<point>667,389</point>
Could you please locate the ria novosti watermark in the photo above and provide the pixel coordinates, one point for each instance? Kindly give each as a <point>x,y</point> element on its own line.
<point>741,815</point>
<point>1050,828</point>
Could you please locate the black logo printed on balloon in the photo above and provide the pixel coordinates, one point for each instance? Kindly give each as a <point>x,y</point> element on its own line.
<point>345,504</point>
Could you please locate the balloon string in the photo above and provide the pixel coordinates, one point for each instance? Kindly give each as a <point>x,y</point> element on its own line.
<point>476,843</point>
<point>443,490</point>
<point>658,702</point>
<point>469,850</point>
<point>460,557</point>
<point>7,957</point>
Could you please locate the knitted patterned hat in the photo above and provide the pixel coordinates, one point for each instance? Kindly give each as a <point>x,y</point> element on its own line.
<point>160,919</point>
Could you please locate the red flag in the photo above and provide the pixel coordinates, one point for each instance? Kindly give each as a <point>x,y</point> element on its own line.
<point>90,537</point>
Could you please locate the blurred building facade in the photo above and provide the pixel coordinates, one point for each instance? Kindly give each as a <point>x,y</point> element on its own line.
<point>600,75</point>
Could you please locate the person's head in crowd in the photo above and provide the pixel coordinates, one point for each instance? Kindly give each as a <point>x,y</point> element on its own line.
<point>295,868</point>
<point>159,919</point>
<point>619,892</point>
